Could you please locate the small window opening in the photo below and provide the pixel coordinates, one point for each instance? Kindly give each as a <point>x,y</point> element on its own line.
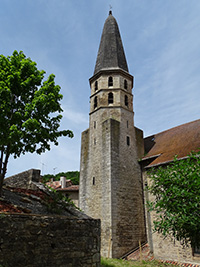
<point>94,124</point>
<point>128,140</point>
<point>125,84</point>
<point>95,141</point>
<point>96,86</point>
<point>127,124</point>
<point>110,81</point>
<point>126,100</point>
<point>93,180</point>
<point>110,98</point>
<point>196,251</point>
<point>53,245</point>
<point>95,102</point>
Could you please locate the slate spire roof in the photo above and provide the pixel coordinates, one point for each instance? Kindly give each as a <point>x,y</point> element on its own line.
<point>111,52</point>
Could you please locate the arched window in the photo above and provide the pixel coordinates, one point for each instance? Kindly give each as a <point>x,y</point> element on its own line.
<point>126,100</point>
<point>125,84</point>
<point>96,86</point>
<point>110,81</point>
<point>110,98</point>
<point>95,102</point>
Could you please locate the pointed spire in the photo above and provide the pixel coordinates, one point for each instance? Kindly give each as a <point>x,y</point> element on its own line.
<point>111,52</point>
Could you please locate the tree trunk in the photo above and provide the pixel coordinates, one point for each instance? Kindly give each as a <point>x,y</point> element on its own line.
<point>1,183</point>
<point>4,169</point>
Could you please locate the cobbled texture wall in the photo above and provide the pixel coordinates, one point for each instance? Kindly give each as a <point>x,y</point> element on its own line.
<point>24,179</point>
<point>30,240</point>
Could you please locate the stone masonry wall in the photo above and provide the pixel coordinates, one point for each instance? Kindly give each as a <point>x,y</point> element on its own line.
<point>127,198</point>
<point>110,177</point>
<point>32,241</point>
<point>23,179</point>
<point>165,248</point>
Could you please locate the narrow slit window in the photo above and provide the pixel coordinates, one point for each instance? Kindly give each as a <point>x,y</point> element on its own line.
<point>93,180</point>
<point>125,84</point>
<point>94,124</point>
<point>196,251</point>
<point>95,102</point>
<point>126,100</point>
<point>128,140</point>
<point>110,81</point>
<point>110,98</point>
<point>96,86</point>
<point>95,141</point>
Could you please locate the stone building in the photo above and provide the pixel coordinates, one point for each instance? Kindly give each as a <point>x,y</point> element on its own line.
<point>159,150</point>
<point>111,175</point>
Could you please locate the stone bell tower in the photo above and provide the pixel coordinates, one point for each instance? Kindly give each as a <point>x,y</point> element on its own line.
<point>110,176</point>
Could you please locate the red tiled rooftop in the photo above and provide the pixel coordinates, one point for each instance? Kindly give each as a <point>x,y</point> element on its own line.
<point>69,188</point>
<point>180,141</point>
<point>54,184</point>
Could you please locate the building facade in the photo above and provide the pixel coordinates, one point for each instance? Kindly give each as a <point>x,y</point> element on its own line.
<point>110,175</point>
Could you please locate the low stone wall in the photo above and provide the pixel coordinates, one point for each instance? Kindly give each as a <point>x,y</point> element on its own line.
<point>23,179</point>
<point>34,240</point>
<point>167,250</point>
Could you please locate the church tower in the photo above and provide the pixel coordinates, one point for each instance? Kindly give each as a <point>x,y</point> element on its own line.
<point>110,176</point>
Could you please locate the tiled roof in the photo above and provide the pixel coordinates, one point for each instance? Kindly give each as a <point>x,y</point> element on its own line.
<point>69,188</point>
<point>54,184</point>
<point>180,141</point>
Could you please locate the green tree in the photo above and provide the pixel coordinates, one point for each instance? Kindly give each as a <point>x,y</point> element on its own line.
<point>176,189</point>
<point>30,109</point>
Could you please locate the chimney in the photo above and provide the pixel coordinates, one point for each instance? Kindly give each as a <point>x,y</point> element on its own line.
<point>63,182</point>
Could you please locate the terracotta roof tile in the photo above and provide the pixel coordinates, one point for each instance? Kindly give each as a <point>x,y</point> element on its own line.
<point>180,141</point>
<point>69,188</point>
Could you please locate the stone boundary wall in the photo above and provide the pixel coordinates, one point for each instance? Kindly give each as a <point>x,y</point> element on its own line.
<point>24,179</point>
<point>35,240</point>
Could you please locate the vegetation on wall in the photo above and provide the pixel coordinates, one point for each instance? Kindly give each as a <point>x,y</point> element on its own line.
<point>176,189</point>
<point>71,175</point>
<point>105,262</point>
<point>30,109</point>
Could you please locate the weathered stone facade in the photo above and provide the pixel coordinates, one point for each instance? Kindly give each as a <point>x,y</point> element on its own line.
<point>111,186</point>
<point>24,179</point>
<point>34,240</point>
<point>165,248</point>
<point>110,176</point>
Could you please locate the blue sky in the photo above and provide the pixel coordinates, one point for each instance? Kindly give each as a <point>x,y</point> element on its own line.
<point>162,46</point>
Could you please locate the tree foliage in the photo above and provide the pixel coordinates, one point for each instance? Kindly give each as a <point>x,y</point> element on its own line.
<point>30,109</point>
<point>176,189</point>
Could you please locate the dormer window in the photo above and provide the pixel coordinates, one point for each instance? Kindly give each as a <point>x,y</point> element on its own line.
<point>126,100</point>
<point>95,102</point>
<point>96,86</point>
<point>110,98</point>
<point>110,81</point>
<point>125,84</point>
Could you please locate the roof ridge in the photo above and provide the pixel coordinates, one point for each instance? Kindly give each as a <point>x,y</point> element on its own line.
<point>172,128</point>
